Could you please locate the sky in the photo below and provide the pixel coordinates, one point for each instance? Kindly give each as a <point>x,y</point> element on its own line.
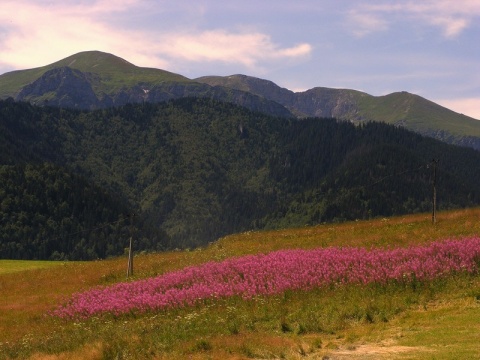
<point>427,47</point>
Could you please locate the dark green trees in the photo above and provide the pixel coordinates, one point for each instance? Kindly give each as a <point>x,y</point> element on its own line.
<point>197,169</point>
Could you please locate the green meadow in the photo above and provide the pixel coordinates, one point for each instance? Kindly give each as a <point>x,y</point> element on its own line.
<point>9,266</point>
<point>437,319</point>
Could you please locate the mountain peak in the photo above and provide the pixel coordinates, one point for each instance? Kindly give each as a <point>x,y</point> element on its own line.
<point>112,74</point>
<point>90,60</point>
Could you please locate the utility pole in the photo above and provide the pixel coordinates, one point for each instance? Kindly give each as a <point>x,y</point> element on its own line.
<point>434,202</point>
<point>130,250</point>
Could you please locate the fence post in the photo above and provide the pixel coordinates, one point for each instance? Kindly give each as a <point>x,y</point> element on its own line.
<point>130,249</point>
<point>434,201</point>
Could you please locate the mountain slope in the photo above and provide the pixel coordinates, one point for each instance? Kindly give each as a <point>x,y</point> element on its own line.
<point>420,115</point>
<point>401,108</point>
<point>113,73</point>
<point>198,169</point>
<point>93,79</point>
<point>264,88</point>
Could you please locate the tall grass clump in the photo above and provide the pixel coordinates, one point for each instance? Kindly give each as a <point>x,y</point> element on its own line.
<point>275,273</point>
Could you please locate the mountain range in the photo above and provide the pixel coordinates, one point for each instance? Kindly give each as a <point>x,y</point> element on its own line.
<point>94,80</point>
<point>94,150</point>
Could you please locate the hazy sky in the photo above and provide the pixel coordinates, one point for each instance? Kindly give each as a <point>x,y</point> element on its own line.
<point>427,47</point>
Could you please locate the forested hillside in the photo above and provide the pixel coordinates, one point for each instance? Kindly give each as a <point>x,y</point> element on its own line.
<point>197,169</point>
<point>49,213</point>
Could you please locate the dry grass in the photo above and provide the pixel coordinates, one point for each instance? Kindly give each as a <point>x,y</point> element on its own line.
<point>397,231</point>
<point>9,266</point>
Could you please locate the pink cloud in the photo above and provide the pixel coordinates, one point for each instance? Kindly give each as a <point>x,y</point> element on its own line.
<point>452,17</point>
<point>39,34</point>
<point>467,106</point>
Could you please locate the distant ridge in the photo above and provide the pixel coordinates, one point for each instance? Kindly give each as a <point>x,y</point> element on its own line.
<point>400,108</point>
<point>94,79</point>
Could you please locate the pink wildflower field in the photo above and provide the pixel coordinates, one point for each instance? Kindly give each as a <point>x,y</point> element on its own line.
<point>275,273</point>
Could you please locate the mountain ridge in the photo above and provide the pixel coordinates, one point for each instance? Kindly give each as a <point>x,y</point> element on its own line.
<point>101,80</point>
<point>89,61</point>
<point>356,106</point>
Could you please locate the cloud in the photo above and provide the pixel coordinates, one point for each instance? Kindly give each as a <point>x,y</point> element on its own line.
<point>451,26</point>
<point>366,22</point>
<point>451,16</point>
<point>43,32</point>
<point>40,33</point>
<point>247,49</point>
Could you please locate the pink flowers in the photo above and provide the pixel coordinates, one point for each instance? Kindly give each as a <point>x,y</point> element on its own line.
<point>275,273</point>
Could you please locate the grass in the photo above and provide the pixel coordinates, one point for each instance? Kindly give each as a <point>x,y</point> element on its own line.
<point>114,73</point>
<point>417,114</point>
<point>9,266</point>
<point>429,320</point>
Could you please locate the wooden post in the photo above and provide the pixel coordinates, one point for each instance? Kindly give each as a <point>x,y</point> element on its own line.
<point>130,249</point>
<point>434,201</point>
<point>130,259</point>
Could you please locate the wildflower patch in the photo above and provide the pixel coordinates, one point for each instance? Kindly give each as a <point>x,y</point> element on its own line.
<point>274,273</point>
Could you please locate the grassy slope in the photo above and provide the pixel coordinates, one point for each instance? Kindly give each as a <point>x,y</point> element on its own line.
<point>113,71</point>
<point>233,82</point>
<point>416,114</point>
<point>409,110</point>
<point>436,320</point>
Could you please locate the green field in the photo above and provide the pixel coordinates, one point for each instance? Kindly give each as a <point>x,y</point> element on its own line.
<point>438,319</point>
<point>9,266</point>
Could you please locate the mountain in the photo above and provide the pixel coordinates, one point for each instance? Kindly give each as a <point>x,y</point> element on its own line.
<point>401,108</point>
<point>111,74</point>
<point>196,169</point>
<point>94,80</point>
